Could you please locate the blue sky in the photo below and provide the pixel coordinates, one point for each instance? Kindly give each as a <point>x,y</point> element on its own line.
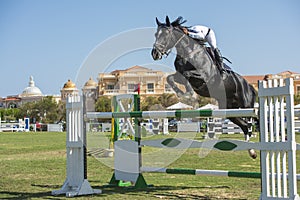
<point>51,39</point>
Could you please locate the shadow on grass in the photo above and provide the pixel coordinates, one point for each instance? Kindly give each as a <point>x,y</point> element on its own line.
<point>30,195</point>
<point>26,195</point>
<point>165,192</point>
<point>161,192</point>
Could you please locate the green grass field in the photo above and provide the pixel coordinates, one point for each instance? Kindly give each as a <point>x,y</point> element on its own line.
<point>34,164</point>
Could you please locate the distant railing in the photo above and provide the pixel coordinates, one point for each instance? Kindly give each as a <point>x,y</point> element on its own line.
<point>113,91</point>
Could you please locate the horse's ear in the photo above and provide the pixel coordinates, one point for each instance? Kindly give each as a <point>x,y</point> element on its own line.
<point>158,22</point>
<point>168,21</point>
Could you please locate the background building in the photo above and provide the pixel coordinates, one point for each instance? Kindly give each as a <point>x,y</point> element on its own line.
<point>154,82</point>
<point>29,94</point>
<point>253,79</point>
<point>287,74</point>
<point>90,92</point>
<point>125,81</point>
<point>69,89</point>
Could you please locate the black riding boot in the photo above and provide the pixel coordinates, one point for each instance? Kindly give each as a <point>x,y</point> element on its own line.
<point>219,60</point>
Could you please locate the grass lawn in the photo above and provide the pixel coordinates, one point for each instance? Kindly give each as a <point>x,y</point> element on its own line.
<point>34,164</point>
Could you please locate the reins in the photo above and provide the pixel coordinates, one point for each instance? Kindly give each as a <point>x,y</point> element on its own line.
<point>169,39</point>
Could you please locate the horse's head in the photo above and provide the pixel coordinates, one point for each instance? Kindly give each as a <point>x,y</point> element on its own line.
<point>165,37</point>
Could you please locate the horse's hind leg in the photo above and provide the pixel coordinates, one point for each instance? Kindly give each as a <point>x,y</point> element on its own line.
<point>245,128</point>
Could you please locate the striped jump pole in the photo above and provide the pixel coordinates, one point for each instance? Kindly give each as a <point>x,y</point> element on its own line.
<point>214,144</point>
<point>221,113</point>
<point>202,172</point>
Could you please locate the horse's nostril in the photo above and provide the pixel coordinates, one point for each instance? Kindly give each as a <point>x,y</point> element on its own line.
<point>155,54</point>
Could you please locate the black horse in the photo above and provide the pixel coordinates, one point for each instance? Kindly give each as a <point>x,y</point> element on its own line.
<point>197,70</point>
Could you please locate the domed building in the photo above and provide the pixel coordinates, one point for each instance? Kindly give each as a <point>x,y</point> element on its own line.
<point>31,90</point>
<point>31,93</point>
<point>90,91</point>
<point>90,84</point>
<point>69,89</point>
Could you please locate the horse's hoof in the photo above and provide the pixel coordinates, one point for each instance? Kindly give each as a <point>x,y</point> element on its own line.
<point>252,153</point>
<point>254,156</point>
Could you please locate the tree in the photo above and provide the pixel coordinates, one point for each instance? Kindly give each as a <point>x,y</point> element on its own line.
<point>167,99</point>
<point>202,101</point>
<point>103,104</point>
<point>27,110</point>
<point>48,110</point>
<point>148,102</point>
<point>62,111</point>
<point>297,99</point>
<point>45,110</point>
<point>9,114</point>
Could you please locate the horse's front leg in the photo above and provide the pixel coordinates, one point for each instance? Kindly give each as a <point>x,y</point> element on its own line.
<point>172,80</point>
<point>245,127</point>
<point>188,88</point>
<point>179,78</point>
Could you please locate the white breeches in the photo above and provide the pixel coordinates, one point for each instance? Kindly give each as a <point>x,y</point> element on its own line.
<point>211,39</point>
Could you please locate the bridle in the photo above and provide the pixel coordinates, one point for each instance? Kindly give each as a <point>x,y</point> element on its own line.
<point>164,50</point>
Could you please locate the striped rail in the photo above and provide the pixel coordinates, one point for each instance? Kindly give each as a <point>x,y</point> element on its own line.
<point>203,172</point>
<point>223,145</point>
<point>221,113</point>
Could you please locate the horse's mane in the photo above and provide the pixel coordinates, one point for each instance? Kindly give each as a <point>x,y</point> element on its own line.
<point>178,22</point>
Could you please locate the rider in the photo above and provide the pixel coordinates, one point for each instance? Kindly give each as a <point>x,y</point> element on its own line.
<point>206,34</point>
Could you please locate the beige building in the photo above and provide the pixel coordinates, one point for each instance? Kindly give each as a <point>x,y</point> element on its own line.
<point>151,82</point>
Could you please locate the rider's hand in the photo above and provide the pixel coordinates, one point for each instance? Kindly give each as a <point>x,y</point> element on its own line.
<point>185,31</point>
